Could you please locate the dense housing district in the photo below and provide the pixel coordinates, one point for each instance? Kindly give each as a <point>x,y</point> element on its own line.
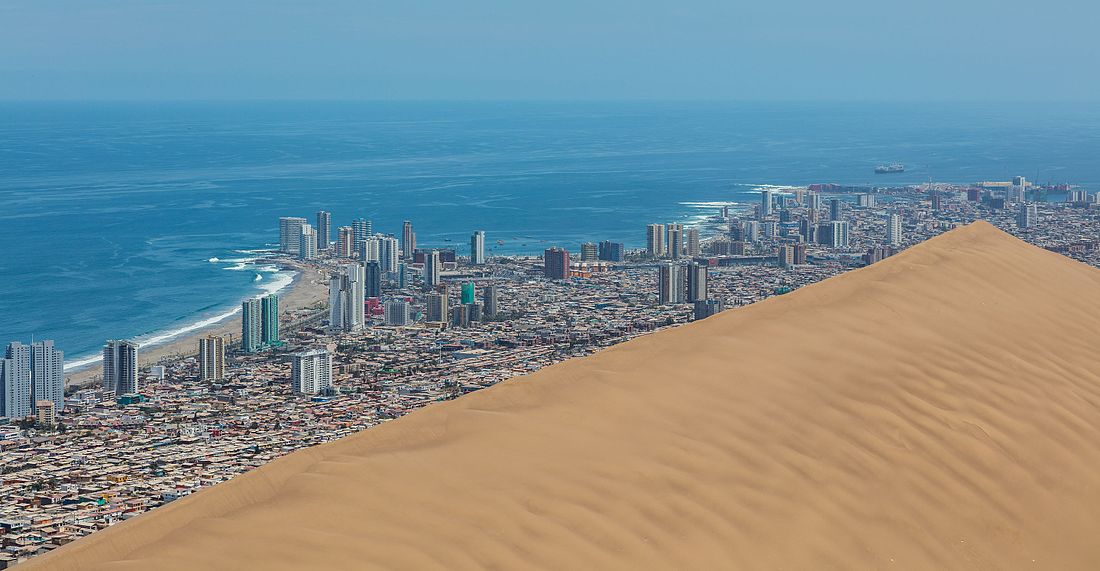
<point>406,327</point>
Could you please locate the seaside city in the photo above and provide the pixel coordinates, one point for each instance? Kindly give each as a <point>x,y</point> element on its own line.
<point>404,327</point>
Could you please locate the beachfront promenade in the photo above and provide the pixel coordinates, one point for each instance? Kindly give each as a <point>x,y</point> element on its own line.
<point>112,459</point>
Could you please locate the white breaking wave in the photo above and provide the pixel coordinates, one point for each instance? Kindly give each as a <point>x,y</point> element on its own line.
<point>257,278</point>
<point>213,260</point>
<point>280,281</point>
<point>710,204</point>
<point>238,267</point>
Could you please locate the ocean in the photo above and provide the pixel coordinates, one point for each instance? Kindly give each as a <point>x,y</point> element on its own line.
<point>145,220</point>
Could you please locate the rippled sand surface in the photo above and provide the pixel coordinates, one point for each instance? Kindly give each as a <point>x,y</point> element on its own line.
<point>938,410</point>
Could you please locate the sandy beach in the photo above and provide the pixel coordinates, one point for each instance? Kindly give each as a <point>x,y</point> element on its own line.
<point>307,290</point>
<point>937,410</point>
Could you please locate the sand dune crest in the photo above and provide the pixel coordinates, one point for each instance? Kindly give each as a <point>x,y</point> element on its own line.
<point>938,410</point>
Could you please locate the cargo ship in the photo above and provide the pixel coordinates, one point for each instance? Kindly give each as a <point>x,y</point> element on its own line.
<point>888,169</point>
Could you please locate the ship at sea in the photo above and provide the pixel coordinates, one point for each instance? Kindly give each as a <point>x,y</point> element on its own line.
<point>887,169</point>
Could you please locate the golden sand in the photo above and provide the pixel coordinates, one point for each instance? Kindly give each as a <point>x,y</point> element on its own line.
<point>938,410</point>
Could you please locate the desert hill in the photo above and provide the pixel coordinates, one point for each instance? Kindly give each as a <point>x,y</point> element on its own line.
<point>938,410</point>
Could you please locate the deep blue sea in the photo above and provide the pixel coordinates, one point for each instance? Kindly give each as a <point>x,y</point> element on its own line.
<point>111,213</point>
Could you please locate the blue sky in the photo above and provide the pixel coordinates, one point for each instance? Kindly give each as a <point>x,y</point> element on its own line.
<point>559,49</point>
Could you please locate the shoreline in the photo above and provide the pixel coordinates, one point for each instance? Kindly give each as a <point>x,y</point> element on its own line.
<point>304,291</point>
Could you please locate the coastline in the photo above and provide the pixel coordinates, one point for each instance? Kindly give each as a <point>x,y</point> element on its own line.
<point>305,290</point>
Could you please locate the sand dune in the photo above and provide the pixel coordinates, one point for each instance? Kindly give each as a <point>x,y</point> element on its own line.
<point>939,410</point>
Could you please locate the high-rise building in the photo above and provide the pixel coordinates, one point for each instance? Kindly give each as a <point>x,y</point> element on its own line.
<point>345,242</point>
<point>866,200</point>
<point>808,229</point>
<point>307,247</point>
<point>397,313</point>
<point>612,251</point>
<point>436,307</point>
<point>751,231</point>
<point>706,308</point>
<point>765,203</point>
<point>433,268</point>
<point>372,279</point>
<point>252,325</point>
<point>477,247</point>
<point>16,389</point>
<point>323,229</point>
<point>45,412</point>
<point>363,229</point>
<point>460,316</point>
<point>468,293</point>
<point>893,230</point>
<point>370,250</point>
<point>120,372</point>
<point>800,257</point>
<point>675,248</point>
<point>1027,216</point>
<point>290,234</point>
<point>785,256</point>
<point>402,275</point>
<point>937,201</point>
<point>835,209</point>
<point>311,371</point>
<point>813,201</point>
<point>691,242</point>
<point>269,320</point>
<point>655,240</point>
<point>589,252</point>
<point>473,312</point>
<point>670,283</point>
<point>408,240</point>
<point>838,234</point>
<point>696,282</point>
<point>211,358</point>
<point>388,253</point>
<point>347,296</point>
<point>489,301</point>
<point>555,262</point>
<point>48,374</point>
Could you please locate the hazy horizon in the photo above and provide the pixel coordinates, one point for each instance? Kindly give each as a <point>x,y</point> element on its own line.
<point>793,50</point>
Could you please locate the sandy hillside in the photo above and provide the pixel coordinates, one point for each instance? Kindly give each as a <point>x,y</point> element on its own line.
<point>939,410</point>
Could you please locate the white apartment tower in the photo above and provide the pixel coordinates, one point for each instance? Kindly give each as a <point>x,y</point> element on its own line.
<point>15,382</point>
<point>893,230</point>
<point>307,243</point>
<point>477,248</point>
<point>347,295</point>
<point>48,374</point>
<point>670,284</point>
<point>212,358</point>
<point>311,371</point>
<point>655,240</point>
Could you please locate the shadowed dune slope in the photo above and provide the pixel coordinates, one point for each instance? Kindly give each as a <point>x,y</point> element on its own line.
<point>938,410</point>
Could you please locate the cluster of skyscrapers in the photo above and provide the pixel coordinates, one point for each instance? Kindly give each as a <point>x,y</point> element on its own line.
<point>672,241</point>
<point>30,374</point>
